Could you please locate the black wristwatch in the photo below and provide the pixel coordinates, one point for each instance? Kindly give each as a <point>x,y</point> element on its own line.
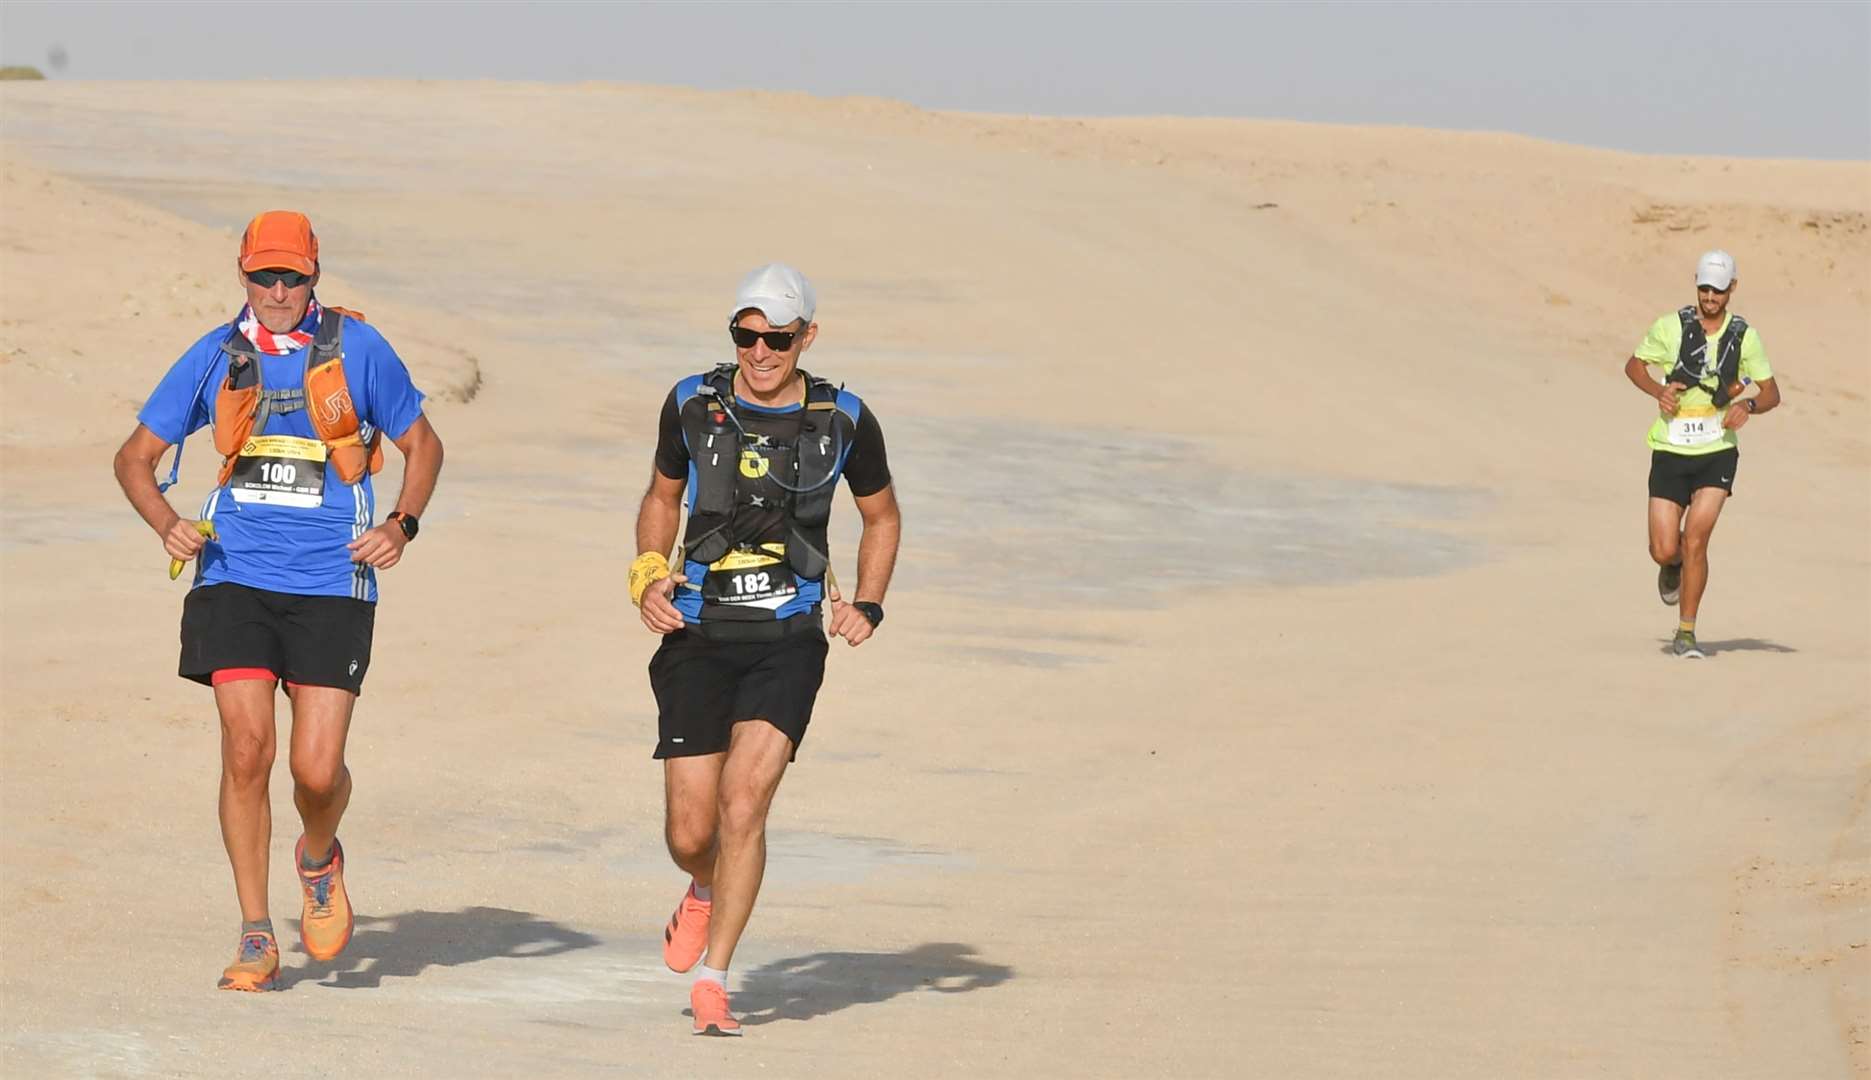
<point>405,522</point>
<point>1750,405</point>
<point>872,611</point>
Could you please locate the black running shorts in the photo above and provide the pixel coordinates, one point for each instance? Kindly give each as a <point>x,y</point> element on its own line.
<point>703,688</point>
<point>1676,476</point>
<point>309,640</point>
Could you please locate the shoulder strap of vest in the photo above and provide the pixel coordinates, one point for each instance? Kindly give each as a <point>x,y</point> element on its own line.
<point>1727,362</point>
<point>327,346</point>
<point>330,336</point>
<point>820,393</point>
<point>235,341</point>
<point>1693,343</point>
<point>243,360</point>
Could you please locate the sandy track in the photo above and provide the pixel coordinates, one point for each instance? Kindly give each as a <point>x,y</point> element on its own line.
<point>1274,685</point>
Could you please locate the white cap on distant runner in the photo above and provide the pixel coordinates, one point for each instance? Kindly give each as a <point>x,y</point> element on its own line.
<point>777,291</point>
<point>1716,270</point>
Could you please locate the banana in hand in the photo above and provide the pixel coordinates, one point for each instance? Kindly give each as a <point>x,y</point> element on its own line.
<point>206,529</point>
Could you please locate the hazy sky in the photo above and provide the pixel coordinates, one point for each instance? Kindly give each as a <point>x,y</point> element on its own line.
<point>1751,79</point>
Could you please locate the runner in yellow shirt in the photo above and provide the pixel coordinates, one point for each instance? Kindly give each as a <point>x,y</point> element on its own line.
<point>1705,359</point>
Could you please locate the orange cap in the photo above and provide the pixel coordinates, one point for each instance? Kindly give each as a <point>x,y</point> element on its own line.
<point>279,240</point>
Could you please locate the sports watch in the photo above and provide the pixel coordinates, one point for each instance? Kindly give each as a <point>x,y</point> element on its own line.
<point>870,610</point>
<point>405,522</point>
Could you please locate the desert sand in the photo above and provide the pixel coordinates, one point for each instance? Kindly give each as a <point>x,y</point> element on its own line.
<point>1274,683</point>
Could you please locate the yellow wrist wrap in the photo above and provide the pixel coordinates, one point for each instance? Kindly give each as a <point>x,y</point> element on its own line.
<point>649,567</point>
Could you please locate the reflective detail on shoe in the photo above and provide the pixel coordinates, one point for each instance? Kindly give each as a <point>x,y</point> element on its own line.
<point>708,1000</point>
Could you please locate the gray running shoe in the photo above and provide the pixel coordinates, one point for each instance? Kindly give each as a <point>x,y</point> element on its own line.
<point>1685,645</point>
<point>1670,583</point>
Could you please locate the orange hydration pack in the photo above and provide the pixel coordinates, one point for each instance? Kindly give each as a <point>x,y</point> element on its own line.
<point>242,404</point>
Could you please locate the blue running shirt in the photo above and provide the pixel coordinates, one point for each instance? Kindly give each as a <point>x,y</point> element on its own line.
<point>276,546</point>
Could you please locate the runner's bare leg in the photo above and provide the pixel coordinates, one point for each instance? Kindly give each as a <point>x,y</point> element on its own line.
<point>321,783</point>
<point>756,759</point>
<point>1705,506</point>
<point>1666,531</point>
<point>248,743</point>
<point>691,813</point>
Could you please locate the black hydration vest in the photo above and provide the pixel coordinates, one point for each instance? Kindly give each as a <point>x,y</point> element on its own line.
<point>1693,363</point>
<point>794,460</point>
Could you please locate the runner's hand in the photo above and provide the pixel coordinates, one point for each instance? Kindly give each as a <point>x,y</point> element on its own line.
<point>1736,416</point>
<point>847,622</point>
<point>659,612</point>
<point>183,540</point>
<point>1667,399</point>
<point>381,547</point>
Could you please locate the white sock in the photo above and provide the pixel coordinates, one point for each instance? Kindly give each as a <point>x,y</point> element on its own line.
<point>702,892</point>
<point>718,976</point>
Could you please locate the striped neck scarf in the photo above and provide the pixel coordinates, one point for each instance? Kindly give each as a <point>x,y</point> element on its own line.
<point>273,344</point>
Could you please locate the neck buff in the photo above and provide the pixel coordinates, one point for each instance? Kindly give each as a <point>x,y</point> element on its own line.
<point>278,344</point>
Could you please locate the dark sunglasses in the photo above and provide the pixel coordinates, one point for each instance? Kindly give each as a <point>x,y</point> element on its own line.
<point>265,279</point>
<point>1713,289</point>
<point>777,340</point>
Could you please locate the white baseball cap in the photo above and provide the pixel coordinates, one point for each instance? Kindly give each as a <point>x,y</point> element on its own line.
<point>777,291</point>
<point>1716,270</point>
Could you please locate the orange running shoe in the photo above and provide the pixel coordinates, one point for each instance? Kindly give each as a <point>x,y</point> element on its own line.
<point>256,966</point>
<point>685,939</point>
<point>325,926</point>
<point>708,1000</point>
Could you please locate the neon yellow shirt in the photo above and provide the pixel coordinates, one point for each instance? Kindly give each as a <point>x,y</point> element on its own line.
<point>1659,349</point>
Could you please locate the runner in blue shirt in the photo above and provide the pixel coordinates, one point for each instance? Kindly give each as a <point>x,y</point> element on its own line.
<point>301,397</point>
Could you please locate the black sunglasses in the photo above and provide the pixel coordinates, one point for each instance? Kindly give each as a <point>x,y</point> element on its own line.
<point>266,278</point>
<point>777,340</point>
<point>1713,289</point>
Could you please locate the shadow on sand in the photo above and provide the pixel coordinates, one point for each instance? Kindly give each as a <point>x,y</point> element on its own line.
<point>800,988</point>
<point>401,946</point>
<point>1743,644</point>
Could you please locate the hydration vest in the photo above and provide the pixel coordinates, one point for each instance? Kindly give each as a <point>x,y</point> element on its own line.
<point>736,469</point>
<point>1693,363</point>
<point>242,404</point>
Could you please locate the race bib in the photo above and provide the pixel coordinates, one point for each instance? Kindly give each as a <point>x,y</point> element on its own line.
<point>1696,426</point>
<point>750,579</point>
<point>283,470</point>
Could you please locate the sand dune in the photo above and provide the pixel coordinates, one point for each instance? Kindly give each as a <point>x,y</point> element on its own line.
<point>1273,686</point>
